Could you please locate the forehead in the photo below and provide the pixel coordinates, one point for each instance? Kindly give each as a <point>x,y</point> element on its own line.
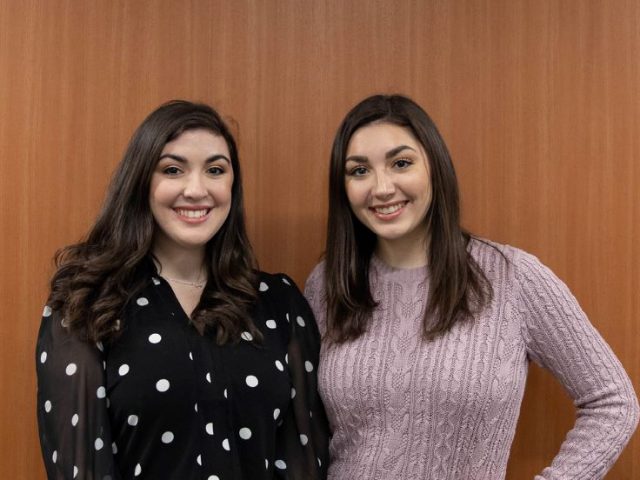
<point>380,137</point>
<point>197,140</point>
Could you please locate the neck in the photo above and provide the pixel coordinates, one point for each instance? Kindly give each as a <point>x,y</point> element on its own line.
<point>181,264</point>
<point>404,252</point>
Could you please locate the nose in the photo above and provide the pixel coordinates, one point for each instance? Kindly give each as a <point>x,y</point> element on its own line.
<point>384,186</point>
<point>194,187</point>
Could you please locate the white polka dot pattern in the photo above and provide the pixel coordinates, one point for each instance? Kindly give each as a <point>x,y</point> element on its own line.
<point>160,366</point>
<point>162,385</point>
<point>155,338</point>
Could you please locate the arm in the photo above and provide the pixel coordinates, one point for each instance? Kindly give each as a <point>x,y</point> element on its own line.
<point>303,436</point>
<point>73,420</point>
<point>559,337</point>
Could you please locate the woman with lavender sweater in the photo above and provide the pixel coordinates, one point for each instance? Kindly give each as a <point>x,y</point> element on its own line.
<point>428,331</point>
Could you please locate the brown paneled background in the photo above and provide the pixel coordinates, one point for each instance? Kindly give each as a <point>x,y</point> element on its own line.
<point>539,102</point>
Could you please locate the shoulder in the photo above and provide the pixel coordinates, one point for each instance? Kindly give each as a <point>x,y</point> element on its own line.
<point>315,293</point>
<point>487,252</point>
<point>524,269</point>
<point>276,283</point>
<point>314,287</point>
<point>279,288</point>
<point>315,280</point>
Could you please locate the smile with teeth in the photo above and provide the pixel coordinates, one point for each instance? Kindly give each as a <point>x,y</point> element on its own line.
<point>192,213</point>
<point>388,209</point>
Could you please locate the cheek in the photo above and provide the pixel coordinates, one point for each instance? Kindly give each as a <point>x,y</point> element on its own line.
<point>355,194</point>
<point>225,192</point>
<point>161,191</point>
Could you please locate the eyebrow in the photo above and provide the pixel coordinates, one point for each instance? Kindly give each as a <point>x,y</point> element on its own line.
<point>181,159</point>
<point>390,154</point>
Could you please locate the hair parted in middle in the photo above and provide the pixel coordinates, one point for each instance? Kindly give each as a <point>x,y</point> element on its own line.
<point>98,276</point>
<point>458,286</point>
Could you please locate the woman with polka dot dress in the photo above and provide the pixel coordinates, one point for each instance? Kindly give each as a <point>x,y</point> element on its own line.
<point>163,352</point>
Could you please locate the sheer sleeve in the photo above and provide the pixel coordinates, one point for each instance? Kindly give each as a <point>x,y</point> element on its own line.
<point>71,405</point>
<point>303,437</point>
<point>559,337</point>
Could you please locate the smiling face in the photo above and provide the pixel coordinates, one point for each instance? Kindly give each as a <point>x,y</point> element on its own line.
<point>190,191</point>
<point>387,181</point>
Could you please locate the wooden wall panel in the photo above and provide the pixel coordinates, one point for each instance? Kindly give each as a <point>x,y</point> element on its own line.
<point>538,101</point>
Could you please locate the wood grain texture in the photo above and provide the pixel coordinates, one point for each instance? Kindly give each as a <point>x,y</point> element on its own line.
<point>539,103</point>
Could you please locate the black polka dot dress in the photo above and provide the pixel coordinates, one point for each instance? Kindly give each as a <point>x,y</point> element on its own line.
<point>163,402</point>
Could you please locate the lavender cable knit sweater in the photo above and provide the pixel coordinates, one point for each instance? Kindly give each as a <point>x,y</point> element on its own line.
<point>402,408</point>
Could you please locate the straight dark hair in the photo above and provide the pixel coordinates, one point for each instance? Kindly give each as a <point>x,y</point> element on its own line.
<point>458,286</point>
<point>96,278</point>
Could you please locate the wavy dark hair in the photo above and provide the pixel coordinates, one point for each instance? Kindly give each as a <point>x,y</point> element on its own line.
<point>458,286</point>
<point>96,278</point>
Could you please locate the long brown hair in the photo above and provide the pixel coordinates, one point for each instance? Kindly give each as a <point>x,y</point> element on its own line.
<point>458,285</point>
<point>96,278</point>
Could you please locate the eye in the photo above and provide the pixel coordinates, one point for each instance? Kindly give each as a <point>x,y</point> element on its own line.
<point>402,163</point>
<point>215,170</point>
<point>171,170</point>
<point>357,171</point>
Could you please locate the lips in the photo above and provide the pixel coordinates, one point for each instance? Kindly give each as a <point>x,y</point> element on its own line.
<point>192,213</point>
<point>388,209</point>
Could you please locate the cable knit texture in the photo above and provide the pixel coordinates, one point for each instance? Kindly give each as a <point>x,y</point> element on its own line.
<point>403,408</point>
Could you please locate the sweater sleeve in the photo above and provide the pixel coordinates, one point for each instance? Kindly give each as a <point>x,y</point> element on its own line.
<point>560,338</point>
<point>72,412</point>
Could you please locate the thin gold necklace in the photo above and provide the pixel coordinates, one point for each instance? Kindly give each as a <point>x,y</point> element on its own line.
<point>186,282</point>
